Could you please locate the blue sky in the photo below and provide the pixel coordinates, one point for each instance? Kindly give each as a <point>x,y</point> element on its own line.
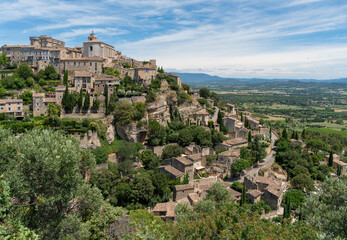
<point>230,38</point>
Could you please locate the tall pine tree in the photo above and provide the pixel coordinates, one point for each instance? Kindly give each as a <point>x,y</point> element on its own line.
<point>285,134</point>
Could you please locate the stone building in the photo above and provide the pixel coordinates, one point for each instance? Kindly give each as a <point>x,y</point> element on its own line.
<point>271,189</point>
<point>84,80</point>
<point>90,64</point>
<point>178,167</point>
<point>41,102</point>
<point>95,48</point>
<point>252,122</point>
<point>12,107</point>
<point>48,42</point>
<point>176,77</point>
<point>144,75</point>
<point>102,80</point>
<point>202,117</point>
<point>338,163</point>
<point>233,143</point>
<point>182,191</point>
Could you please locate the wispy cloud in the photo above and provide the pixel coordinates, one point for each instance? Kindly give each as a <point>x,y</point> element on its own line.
<point>225,37</point>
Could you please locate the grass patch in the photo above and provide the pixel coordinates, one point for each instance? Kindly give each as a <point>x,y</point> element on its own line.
<point>328,130</point>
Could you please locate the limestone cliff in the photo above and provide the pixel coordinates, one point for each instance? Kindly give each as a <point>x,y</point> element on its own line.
<point>131,132</point>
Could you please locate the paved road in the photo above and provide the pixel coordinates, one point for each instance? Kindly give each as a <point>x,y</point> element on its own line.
<point>268,161</point>
<point>215,115</point>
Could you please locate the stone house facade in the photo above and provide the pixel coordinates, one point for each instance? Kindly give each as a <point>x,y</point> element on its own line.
<point>13,107</point>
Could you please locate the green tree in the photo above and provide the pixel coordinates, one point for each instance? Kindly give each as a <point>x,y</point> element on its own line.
<point>185,137</point>
<point>54,179</point>
<point>296,198</point>
<point>27,97</point>
<point>287,207</point>
<point>142,189</point>
<point>204,93</point>
<point>302,182</point>
<point>218,193</point>
<point>124,113</point>
<point>170,151</point>
<point>86,104</point>
<point>331,159</point>
<point>249,134</point>
<point>149,160</point>
<point>107,109</point>
<point>339,170</point>
<point>66,78</point>
<point>316,144</point>
<point>151,96</point>
<point>53,115</point>
<point>284,134</point>
<point>243,196</point>
<point>3,59</point>
<point>139,111</point>
<point>80,99</point>
<point>326,209</point>
<point>96,104</point>
<point>24,71</point>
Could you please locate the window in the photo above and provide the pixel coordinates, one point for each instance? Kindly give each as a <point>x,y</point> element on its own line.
<point>9,109</point>
<point>91,48</point>
<point>19,108</point>
<point>37,104</point>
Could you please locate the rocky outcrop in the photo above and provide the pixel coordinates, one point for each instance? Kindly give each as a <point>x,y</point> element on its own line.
<point>159,110</point>
<point>131,132</point>
<point>188,110</point>
<point>110,133</point>
<point>90,140</point>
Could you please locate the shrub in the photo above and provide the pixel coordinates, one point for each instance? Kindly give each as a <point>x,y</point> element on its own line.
<point>171,151</point>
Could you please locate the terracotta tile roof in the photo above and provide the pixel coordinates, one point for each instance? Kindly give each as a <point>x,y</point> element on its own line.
<point>38,95</point>
<point>277,191</point>
<point>338,162</point>
<point>50,100</point>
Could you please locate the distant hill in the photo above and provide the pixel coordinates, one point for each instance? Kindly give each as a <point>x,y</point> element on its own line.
<point>202,78</point>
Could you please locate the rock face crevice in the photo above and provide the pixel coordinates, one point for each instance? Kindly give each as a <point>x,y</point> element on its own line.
<point>131,132</point>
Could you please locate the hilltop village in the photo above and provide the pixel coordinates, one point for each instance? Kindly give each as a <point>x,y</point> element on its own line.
<point>158,144</point>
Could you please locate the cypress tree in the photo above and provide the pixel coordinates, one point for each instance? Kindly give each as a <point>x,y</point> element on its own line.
<point>249,137</point>
<point>331,159</point>
<point>86,102</point>
<point>296,136</point>
<point>243,196</point>
<point>66,78</point>
<point>107,109</point>
<point>241,116</point>
<point>285,134</point>
<point>287,208</point>
<point>80,100</point>
<point>293,135</point>
<point>339,170</point>
<point>303,134</point>
<point>65,99</point>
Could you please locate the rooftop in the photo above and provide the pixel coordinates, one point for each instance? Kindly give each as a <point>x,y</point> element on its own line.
<point>172,171</point>
<point>183,187</point>
<point>235,141</point>
<point>83,59</point>
<point>254,193</point>
<point>195,157</point>
<point>184,160</point>
<point>11,100</point>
